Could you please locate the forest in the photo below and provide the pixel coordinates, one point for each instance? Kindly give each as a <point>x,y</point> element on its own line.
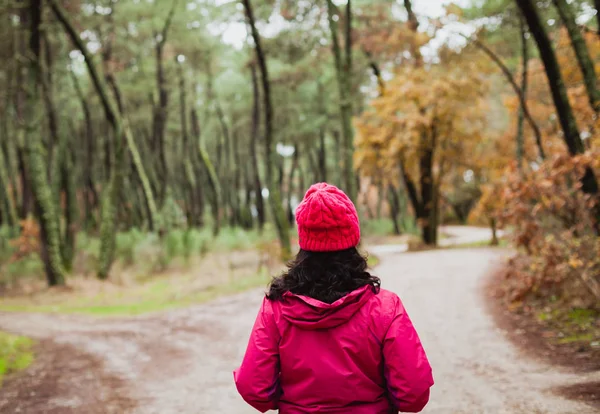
<point>177,126</point>
<point>153,154</point>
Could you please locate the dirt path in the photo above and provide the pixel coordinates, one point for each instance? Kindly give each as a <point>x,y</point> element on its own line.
<point>181,361</point>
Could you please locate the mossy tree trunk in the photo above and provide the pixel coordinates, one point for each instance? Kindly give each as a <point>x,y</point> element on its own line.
<point>343,70</point>
<point>36,163</point>
<point>259,201</point>
<point>521,113</point>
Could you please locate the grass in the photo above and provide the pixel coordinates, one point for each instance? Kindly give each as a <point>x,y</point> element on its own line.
<point>156,294</point>
<point>372,261</point>
<point>15,354</point>
<point>482,243</point>
<point>150,273</point>
<point>572,325</point>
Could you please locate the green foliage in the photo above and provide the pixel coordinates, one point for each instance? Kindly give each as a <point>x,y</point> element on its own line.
<point>15,354</point>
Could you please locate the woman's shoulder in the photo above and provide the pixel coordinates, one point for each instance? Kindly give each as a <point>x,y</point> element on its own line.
<point>387,298</point>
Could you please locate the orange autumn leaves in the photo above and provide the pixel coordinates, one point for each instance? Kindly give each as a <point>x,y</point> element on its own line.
<point>442,107</point>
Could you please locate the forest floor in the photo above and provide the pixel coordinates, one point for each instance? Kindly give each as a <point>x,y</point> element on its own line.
<point>180,360</point>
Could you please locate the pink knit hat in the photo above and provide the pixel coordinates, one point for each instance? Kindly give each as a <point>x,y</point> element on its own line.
<point>327,220</point>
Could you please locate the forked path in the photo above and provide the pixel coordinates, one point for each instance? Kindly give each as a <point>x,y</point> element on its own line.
<point>181,361</point>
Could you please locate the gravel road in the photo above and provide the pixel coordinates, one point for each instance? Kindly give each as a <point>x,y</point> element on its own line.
<point>181,361</point>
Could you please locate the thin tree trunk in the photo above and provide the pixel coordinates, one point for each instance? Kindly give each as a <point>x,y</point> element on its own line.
<point>260,204</point>
<point>521,114</point>
<point>322,150</point>
<point>597,6</point>
<point>36,163</point>
<point>12,217</point>
<point>343,70</point>
<point>293,169</point>
<point>522,101</point>
<point>198,188</point>
<point>213,179</point>
<point>581,52</point>
<point>90,194</point>
<point>427,195</point>
<point>493,227</point>
<point>394,201</point>
<point>274,193</point>
<point>161,109</point>
<point>69,186</point>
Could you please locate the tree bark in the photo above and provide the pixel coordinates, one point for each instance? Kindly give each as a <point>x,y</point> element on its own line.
<point>12,217</point>
<point>90,193</point>
<point>581,52</point>
<point>161,109</point>
<point>259,201</point>
<point>426,184</point>
<point>521,114</point>
<point>343,70</point>
<point>290,192</point>
<point>274,193</point>
<point>36,163</point>
<point>394,201</point>
<point>597,6</point>
<point>198,187</point>
<point>322,154</point>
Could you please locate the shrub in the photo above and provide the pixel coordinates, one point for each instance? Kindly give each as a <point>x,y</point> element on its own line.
<point>552,223</point>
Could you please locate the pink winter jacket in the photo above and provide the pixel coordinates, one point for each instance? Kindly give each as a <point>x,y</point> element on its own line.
<point>360,355</point>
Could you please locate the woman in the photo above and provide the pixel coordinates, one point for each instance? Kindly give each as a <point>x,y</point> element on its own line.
<point>327,339</point>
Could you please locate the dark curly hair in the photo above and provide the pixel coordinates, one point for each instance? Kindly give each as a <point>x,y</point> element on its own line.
<point>325,276</point>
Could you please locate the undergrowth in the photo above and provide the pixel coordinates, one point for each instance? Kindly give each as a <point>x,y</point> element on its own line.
<point>15,354</point>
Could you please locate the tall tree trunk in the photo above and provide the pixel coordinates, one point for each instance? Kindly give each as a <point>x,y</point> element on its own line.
<point>581,52</point>
<point>187,155</point>
<point>559,95</point>
<point>25,183</point>
<point>11,216</point>
<point>290,192</point>
<point>198,188</point>
<point>213,179</point>
<point>69,186</point>
<point>90,193</point>
<point>343,70</point>
<point>274,193</point>
<point>161,108</point>
<point>259,200</point>
<point>48,97</point>
<point>426,183</point>
<point>597,6</point>
<point>36,163</point>
<point>521,114</point>
<point>322,150</point>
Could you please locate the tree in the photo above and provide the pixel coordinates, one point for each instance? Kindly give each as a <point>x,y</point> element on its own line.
<point>581,52</point>
<point>559,95</point>
<point>343,70</point>
<point>425,124</point>
<point>274,192</point>
<point>36,163</point>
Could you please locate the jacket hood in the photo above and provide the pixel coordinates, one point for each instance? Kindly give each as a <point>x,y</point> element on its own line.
<point>312,314</point>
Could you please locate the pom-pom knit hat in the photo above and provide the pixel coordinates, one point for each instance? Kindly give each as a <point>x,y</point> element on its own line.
<point>327,220</point>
